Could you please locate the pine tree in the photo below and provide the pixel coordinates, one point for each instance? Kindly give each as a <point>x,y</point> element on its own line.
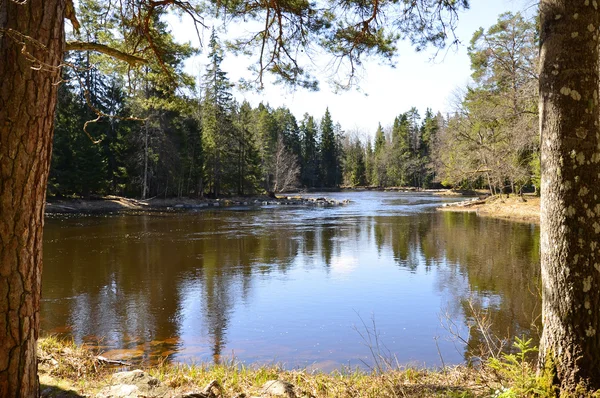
<point>379,171</point>
<point>265,132</point>
<point>217,126</point>
<point>248,158</point>
<point>310,155</point>
<point>328,153</point>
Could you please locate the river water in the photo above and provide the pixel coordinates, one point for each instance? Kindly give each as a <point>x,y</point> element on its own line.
<point>301,287</point>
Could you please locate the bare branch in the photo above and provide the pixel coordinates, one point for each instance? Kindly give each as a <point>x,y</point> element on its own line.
<point>70,15</point>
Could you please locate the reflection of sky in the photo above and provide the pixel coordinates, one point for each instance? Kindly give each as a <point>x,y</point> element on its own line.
<point>296,286</point>
<point>314,312</point>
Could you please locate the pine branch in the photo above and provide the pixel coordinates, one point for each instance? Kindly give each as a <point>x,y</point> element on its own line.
<point>101,48</point>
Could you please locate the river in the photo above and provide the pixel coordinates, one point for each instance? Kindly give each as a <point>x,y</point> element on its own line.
<point>302,287</point>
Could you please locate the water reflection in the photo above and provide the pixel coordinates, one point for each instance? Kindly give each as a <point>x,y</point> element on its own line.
<point>289,285</point>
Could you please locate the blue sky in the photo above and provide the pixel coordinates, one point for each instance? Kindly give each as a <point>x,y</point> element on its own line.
<point>385,92</point>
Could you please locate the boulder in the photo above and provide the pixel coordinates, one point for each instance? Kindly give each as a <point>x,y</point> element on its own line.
<point>133,384</point>
<point>278,388</point>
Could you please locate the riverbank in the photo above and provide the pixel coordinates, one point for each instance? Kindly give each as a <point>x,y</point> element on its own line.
<point>67,370</point>
<point>514,208</point>
<point>110,204</point>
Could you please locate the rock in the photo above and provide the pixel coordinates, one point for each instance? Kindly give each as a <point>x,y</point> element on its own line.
<point>208,392</point>
<point>134,384</point>
<point>278,388</point>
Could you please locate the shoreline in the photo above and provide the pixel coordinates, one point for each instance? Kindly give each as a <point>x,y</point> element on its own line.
<point>513,208</point>
<point>69,371</point>
<point>119,204</point>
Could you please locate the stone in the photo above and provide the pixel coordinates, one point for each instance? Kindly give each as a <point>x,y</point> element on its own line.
<point>133,384</point>
<point>278,388</point>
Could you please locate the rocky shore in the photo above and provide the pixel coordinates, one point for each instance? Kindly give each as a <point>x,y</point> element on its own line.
<point>67,370</point>
<point>111,204</point>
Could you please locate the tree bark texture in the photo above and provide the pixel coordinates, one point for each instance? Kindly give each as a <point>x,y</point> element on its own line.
<point>31,47</point>
<point>570,210</point>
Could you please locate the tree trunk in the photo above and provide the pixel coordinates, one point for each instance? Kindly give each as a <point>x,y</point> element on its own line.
<point>570,210</point>
<point>145,183</point>
<point>31,35</point>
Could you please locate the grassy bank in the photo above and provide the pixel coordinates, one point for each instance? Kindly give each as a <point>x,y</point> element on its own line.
<point>514,208</point>
<point>67,370</point>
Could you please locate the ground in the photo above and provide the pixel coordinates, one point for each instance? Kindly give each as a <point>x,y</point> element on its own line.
<point>70,371</point>
<point>513,207</point>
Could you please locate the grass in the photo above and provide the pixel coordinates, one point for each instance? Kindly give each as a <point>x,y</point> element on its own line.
<point>70,370</point>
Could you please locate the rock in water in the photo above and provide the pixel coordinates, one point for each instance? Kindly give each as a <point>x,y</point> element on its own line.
<point>278,388</point>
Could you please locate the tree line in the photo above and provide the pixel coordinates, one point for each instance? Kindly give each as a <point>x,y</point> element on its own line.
<point>490,139</point>
<point>198,142</point>
<point>204,143</point>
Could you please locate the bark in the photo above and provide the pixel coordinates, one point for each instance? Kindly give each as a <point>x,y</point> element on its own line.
<point>570,210</point>
<point>31,47</point>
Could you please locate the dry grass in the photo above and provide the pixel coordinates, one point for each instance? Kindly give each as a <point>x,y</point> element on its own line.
<point>67,367</point>
<point>514,208</point>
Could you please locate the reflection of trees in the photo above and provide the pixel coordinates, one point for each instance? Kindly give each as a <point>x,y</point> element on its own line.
<point>133,280</point>
<point>117,279</point>
<point>500,260</point>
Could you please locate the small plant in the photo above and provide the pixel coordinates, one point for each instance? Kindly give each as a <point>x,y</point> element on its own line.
<point>518,374</point>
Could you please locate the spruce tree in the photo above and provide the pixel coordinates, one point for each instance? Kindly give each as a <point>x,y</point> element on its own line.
<point>327,149</point>
<point>310,154</point>
<point>217,126</point>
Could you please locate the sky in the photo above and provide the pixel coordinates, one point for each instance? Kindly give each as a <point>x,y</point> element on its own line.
<point>418,79</point>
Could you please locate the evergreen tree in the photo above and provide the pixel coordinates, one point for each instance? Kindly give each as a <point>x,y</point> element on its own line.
<point>248,158</point>
<point>379,171</point>
<point>400,148</point>
<point>328,153</point>
<point>265,132</point>
<point>354,163</point>
<point>217,127</point>
<point>310,154</point>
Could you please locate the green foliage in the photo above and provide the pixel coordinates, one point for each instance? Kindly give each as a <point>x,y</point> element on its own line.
<point>328,149</point>
<point>349,30</point>
<point>519,375</point>
<point>492,138</point>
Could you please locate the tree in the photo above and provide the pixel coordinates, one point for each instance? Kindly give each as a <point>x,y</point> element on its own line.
<point>354,162</point>
<point>217,127</point>
<point>380,159</point>
<point>400,149</point>
<point>327,150</point>
<point>493,135</point>
<point>570,219</point>
<point>287,169</point>
<point>248,155</point>
<point>27,103</point>
<point>310,151</point>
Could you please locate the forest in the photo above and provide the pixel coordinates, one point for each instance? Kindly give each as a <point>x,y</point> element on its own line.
<point>131,133</point>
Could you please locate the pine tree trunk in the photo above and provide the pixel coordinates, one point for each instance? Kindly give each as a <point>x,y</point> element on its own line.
<point>570,218</point>
<point>31,34</point>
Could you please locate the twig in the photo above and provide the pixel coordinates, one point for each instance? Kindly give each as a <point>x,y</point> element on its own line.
<point>105,360</point>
